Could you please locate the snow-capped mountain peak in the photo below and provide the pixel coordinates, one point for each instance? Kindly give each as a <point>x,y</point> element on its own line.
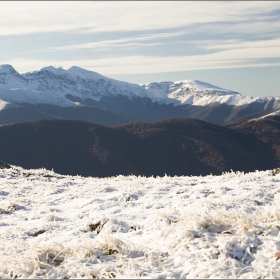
<point>76,71</point>
<point>10,78</point>
<point>192,92</point>
<point>7,68</point>
<point>55,85</point>
<point>73,71</point>
<point>52,69</point>
<point>48,69</point>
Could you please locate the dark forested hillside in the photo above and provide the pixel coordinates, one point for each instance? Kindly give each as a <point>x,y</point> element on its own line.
<point>266,130</point>
<point>172,147</point>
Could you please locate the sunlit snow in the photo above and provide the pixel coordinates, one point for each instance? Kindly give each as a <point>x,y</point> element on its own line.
<point>55,226</point>
<point>4,104</point>
<point>276,113</point>
<point>50,85</point>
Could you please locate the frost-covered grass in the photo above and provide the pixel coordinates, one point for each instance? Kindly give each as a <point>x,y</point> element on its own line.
<point>55,226</point>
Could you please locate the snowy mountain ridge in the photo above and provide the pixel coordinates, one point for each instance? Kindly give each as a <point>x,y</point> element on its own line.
<point>52,85</point>
<point>276,113</point>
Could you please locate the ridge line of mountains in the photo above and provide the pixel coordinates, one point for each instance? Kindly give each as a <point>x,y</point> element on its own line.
<point>76,93</point>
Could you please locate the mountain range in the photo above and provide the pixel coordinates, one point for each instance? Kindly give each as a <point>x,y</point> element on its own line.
<point>77,121</point>
<point>76,93</point>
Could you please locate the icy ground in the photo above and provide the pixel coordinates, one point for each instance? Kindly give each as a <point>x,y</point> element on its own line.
<point>55,226</point>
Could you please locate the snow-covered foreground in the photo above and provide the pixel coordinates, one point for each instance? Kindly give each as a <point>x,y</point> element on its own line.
<point>55,226</point>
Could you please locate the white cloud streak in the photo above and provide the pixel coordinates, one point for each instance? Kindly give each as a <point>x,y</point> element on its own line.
<point>19,18</point>
<point>124,42</point>
<point>244,54</point>
<point>25,17</point>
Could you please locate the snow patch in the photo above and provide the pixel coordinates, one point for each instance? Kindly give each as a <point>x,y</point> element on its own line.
<point>5,104</point>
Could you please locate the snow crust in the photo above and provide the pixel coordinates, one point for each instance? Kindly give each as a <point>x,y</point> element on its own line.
<point>55,226</point>
<point>50,85</point>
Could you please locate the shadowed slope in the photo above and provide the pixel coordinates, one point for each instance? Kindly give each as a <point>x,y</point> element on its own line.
<point>266,130</point>
<point>174,147</point>
<point>116,110</point>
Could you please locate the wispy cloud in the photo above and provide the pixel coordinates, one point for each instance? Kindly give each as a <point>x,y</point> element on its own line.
<point>38,17</point>
<point>124,42</point>
<point>238,44</point>
<point>231,54</point>
<point>227,58</point>
<point>144,64</point>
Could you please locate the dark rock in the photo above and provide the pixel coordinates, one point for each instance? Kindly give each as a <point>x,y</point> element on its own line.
<point>276,171</point>
<point>4,165</point>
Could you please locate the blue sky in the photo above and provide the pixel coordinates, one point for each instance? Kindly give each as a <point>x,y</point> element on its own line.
<point>235,45</point>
